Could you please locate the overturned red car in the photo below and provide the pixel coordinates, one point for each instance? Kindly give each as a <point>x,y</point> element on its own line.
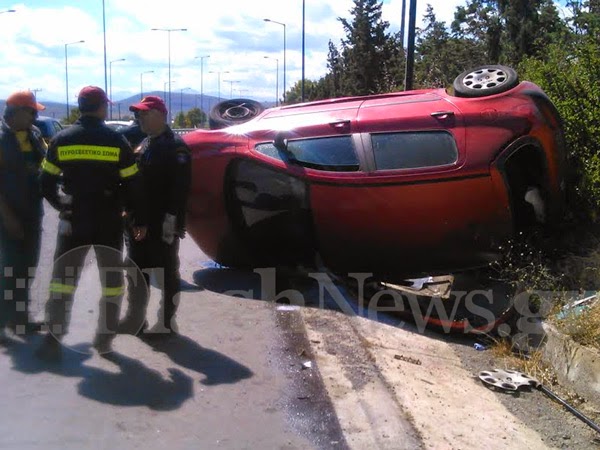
<point>396,185</point>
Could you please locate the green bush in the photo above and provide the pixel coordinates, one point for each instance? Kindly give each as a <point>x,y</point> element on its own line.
<point>570,75</point>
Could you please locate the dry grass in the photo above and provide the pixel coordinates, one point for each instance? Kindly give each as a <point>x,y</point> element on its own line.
<point>582,326</point>
<point>533,365</point>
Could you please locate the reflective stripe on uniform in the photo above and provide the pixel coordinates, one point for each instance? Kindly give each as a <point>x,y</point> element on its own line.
<point>113,292</point>
<point>59,288</point>
<point>81,152</point>
<point>47,166</point>
<point>129,171</point>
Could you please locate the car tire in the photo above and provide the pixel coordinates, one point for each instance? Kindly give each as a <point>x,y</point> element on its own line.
<point>233,112</point>
<point>485,80</point>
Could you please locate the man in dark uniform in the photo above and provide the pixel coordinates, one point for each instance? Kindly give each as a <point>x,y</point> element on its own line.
<point>165,163</point>
<point>97,169</point>
<point>21,152</point>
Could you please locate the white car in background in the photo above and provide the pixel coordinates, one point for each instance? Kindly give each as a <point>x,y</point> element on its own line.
<point>118,125</point>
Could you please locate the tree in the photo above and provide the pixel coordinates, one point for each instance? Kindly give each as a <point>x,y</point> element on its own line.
<point>311,91</point>
<point>440,57</point>
<point>363,49</point>
<point>479,24</point>
<point>570,74</point>
<point>73,116</point>
<point>195,117</point>
<point>508,30</point>
<point>180,121</point>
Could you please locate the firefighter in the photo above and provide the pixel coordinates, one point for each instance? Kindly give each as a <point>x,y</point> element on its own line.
<point>21,152</point>
<point>165,164</point>
<point>96,170</point>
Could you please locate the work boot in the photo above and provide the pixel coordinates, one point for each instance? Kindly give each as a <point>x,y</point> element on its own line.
<point>50,350</point>
<point>163,330</point>
<point>26,328</point>
<point>3,337</point>
<point>130,325</point>
<point>103,343</point>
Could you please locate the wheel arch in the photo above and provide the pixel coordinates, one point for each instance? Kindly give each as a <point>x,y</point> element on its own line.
<point>523,166</point>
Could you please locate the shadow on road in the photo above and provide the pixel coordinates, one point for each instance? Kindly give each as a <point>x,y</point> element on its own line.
<point>415,313</point>
<point>134,384</point>
<point>217,368</point>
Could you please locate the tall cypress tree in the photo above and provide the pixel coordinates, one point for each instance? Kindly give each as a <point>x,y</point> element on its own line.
<point>363,49</point>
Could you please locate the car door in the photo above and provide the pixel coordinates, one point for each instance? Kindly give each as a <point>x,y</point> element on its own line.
<point>270,183</point>
<point>416,207</point>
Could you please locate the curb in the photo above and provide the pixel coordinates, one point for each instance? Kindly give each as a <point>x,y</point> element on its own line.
<point>575,365</point>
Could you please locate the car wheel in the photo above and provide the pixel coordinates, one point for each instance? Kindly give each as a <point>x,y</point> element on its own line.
<point>485,80</point>
<point>233,112</point>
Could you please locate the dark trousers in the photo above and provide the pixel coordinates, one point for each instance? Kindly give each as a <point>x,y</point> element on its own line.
<point>152,255</point>
<point>69,260</point>
<point>18,263</point>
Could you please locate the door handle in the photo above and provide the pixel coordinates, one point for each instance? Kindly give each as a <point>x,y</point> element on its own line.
<point>442,114</point>
<point>340,123</point>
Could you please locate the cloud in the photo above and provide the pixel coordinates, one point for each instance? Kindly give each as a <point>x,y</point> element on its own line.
<point>232,32</point>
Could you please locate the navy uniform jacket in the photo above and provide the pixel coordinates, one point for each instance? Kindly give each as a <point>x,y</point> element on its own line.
<point>97,167</point>
<point>165,164</point>
<point>19,173</point>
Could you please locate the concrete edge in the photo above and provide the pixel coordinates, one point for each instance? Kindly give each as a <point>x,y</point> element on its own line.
<point>576,366</point>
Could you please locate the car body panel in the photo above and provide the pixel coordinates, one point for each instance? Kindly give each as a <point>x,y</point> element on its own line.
<point>49,126</point>
<point>394,184</point>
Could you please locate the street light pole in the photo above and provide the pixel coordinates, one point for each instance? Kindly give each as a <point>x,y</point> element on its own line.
<point>303,41</point>
<point>169,30</point>
<point>165,87</point>
<point>219,81</point>
<point>104,34</point>
<point>110,83</point>
<point>284,54</point>
<point>231,86</point>
<point>181,98</point>
<point>67,73</point>
<point>202,58</point>
<point>35,91</point>
<point>277,82</point>
<point>142,83</point>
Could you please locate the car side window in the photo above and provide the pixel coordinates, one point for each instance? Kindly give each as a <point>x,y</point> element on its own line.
<point>57,127</point>
<point>334,154</point>
<point>411,150</point>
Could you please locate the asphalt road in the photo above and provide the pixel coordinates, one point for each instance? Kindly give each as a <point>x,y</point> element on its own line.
<point>233,379</point>
<point>264,362</point>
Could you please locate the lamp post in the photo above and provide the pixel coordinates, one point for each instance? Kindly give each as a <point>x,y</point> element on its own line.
<point>169,30</point>
<point>219,81</point>
<point>165,88</point>
<point>142,83</point>
<point>284,54</point>
<point>303,41</point>
<point>181,98</point>
<point>110,82</point>
<point>277,82</point>
<point>231,86</point>
<point>35,91</point>
<point>202,58</point>
<point>67,72</point>
<point>104,35</point>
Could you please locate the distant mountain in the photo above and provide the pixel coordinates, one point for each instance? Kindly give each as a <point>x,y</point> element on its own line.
<point>120,108</point>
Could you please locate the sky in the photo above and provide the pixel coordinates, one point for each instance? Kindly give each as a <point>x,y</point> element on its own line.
<point>232,32</point>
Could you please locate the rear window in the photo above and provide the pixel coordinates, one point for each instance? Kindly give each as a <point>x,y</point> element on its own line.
<point>411,150</point>
<point>44,128</point>
<point>329,154</point>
